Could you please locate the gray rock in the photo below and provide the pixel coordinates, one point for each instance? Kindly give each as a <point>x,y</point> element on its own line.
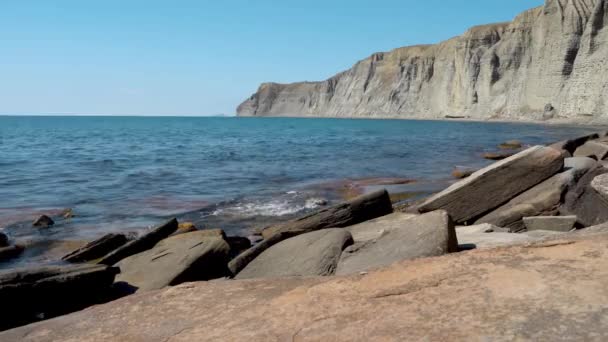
<point>373,229</point>
<point>600,184</point>
<point>550,223</point>
<point>312,254</point>
<point>426,235</point>
<point>592,148</point>
<point>29,294</point>
<point>141,244</point>
<point>43,221</point>
<point>180,258</point>
<point>579,163</point>
<point>10,252</point>
<point>480,228</point>
<point>586,203</point>
<point>4,241</point>
<point>357,210</point>
<point>476,240</point>
<point>496,184</point>
<point>572,144</point>
<point>97,249</point>
<point>543,199</point>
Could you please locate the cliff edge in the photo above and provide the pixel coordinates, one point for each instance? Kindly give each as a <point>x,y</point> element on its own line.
<point>550,62</point>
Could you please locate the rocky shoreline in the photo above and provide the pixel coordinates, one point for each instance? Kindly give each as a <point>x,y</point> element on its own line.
<point>531,196</point>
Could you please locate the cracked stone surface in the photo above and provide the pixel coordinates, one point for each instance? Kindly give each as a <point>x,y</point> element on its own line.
<point>553,290</point>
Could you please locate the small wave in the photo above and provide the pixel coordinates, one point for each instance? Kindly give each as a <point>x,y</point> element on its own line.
<point>269,208</point>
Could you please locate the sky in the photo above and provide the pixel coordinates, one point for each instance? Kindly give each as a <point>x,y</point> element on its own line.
<point>200,57</point>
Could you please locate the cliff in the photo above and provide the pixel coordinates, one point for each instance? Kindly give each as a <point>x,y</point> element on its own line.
<point>549,62</point>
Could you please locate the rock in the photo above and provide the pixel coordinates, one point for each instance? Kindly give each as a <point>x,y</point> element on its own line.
<point>496,184</point>
<point>426,235</point>
<point>10,252</point>
<point>185,227</point>
<point>530,288</point>
<point>218,233</point>
<point>480,240</point>
<point>543,199</point>
<point>357,210</point>
<point>67,213</point>
<point>510,145</point>
<point>141,244</point>
<point>238,244</point>
<point>43,221</point>
<point>43,292</point>
<point>593,149</point>
<point>480,228</point>
<point>550,223</point>
<point>4,240</point>
<point>585,202</point>
<point>600,185</point>
<point>97,249</point>
<point>243,259</point>
<point>180,258</point>
<point>461,173</point>
<point>311,254</point>
<point>571,145</point>
<point>497,155</point>
<point>373,229</point>
<point>579,163</point>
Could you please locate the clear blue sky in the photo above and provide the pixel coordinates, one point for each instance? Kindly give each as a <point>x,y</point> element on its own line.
<point>172,57</point>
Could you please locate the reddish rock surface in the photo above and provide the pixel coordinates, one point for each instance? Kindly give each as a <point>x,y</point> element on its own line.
<point>553,291</point>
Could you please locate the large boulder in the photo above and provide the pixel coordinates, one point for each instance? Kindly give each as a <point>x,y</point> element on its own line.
<point>426,235</point>
<point>571,145</point>
<point>357,210</point>
<point>545,292</point>
<point>543,199</point>
<point>585,202</point>
<point>496,184</point>
<point>596,149</point>
<point>143,243</point>
<point>373,229</point>
<point>312,254</point>
<point>97,248</point>
<point>32,294</point>
<point>185,257</point>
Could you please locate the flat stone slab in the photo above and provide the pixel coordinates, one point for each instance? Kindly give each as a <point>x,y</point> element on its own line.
<point>373,229</point>
<point>496,184</point>
<point>312,254</point>
<point>532,295</point>
<point>592,148</point>
<point>185,257</point>
<point>426,235</point>
<point>551,223</point>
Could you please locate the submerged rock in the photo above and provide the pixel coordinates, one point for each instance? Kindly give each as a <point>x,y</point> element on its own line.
<point>426,235</point>
<point>496,184</point>
<point>511,145</point>
<point>10,252</point>
<point>43,221</point>
<point>312,254</point>
<point>185,257</point>
<point>4,240</point>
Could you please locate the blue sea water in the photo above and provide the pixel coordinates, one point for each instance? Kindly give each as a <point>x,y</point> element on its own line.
<point>128,173</point>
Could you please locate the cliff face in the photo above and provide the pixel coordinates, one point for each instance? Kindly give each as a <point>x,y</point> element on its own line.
<point>549,62</point>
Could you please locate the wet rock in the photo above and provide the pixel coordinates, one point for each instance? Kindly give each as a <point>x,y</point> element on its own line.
<point>358,210</point>
<point>585,202</point>
<point>496,184</point>
<point>541,200</point>
<point>461,173</point>
<point>312,254</point>
<point>44,292</point>
<point>550,223</point>
<point>511,145</point>
<point>497,155</point>
<point>10,252</point>
<point>426,235</point>
<point>67,213</point>
<point>97,249</point>
<point>596,150</point>
<point>180,258</point>
<point>185,227</point>
<point>43,221</point>
<point>4,240</point>
<point>141,244</point>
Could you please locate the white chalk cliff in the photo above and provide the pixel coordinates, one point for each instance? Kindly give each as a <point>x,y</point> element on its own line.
<point>549,62</point>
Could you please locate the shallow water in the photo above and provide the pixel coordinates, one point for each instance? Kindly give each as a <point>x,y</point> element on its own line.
<point>128,173</point>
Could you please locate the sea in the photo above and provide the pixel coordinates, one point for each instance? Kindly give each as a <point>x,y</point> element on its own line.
<point>127,174</point>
